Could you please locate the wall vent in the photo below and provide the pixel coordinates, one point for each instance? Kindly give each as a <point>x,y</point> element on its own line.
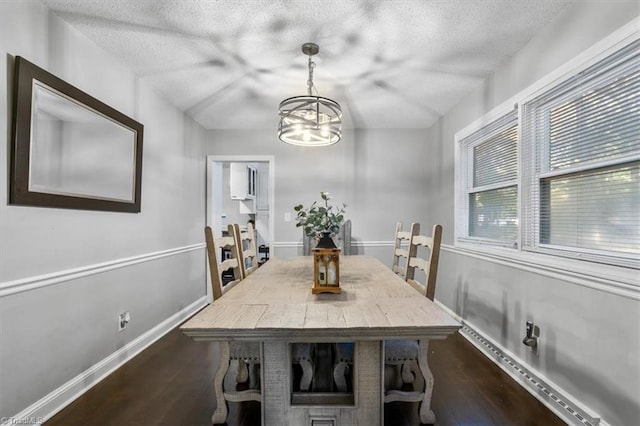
<point>534,383</point>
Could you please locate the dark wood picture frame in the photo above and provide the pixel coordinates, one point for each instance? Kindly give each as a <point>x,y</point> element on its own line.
<point>28,76</point>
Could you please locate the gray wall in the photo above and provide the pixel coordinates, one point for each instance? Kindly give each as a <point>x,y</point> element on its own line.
<point>380,174</point>
<point>53,333</point>
<point>589,345</point>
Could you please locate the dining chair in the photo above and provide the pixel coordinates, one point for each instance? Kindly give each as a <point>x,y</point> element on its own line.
<point>263,252</point>
<point>401,252</point>
<point>343,239</point>
<point>301,353</point>
<point>245,354</point>
<point>407,358</point>
<point>342,365</point>
<point>223,256</point>
<point>401,247</point>
<point>247,248</point>
<point>428,263</point>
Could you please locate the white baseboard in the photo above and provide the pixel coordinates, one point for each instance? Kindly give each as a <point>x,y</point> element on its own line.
<point>55,401</point>
<point>551,395</point>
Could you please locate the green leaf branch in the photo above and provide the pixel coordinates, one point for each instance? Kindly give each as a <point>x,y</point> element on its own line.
<point>320,217</point>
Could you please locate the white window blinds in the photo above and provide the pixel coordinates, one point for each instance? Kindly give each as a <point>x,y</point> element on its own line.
<point>581,162</point>
<point>491,175</point>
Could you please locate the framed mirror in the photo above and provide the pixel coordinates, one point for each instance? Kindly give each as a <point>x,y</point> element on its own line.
<point>69,149</point>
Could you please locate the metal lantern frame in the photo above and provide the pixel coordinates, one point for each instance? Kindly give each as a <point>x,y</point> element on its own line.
<point>310,120</point>
<point>326,279</point>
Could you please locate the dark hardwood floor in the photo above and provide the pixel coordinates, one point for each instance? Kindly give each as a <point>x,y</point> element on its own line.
<point>171,383</point>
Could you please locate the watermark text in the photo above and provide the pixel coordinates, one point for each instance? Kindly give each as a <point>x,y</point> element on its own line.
<point>22,420</point>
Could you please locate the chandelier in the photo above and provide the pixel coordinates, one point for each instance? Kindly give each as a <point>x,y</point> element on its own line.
<point>310,120</point>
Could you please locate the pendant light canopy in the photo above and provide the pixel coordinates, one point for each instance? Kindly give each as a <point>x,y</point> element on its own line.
<point>310,120</point>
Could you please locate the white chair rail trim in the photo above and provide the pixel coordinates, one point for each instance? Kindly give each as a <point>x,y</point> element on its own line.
<point>357,243</point>
<point>621,282</point>
<point>31,283</point>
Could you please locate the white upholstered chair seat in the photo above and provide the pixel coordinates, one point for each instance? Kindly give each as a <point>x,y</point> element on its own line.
<point>249,351</point>
<point>400,350</point>
<point>401,356</point>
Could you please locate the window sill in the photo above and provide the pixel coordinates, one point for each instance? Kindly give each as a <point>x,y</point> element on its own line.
<point>612,279</point>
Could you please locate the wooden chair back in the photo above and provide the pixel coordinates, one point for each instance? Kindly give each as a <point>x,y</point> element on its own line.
<point>217,265</point>
<point>343,240</point>
<point>247,249</point>
<point>245,355</point>
<point>427,263</point>
<point>401,248</point>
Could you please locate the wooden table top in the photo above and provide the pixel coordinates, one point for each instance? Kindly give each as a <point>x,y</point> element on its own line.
<point>276,303</point>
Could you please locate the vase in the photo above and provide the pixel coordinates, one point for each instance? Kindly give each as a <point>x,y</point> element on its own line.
<point>326,241</point>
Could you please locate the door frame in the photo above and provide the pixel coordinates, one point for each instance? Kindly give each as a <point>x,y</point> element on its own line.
<point>215,160</point>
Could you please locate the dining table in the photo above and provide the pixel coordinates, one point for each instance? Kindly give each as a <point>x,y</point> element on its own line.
<point>276,307</point>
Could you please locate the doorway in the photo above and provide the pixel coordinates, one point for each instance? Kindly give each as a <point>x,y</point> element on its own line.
<point>222,209</point>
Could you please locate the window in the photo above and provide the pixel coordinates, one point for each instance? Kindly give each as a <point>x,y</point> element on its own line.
<point>567,182</point>
<point>490,179</point>
<point>582,163</point>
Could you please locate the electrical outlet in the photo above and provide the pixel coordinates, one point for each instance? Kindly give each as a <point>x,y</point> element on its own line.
<point>123,320</point>
<point>287,216</point>
<point>531,337</point>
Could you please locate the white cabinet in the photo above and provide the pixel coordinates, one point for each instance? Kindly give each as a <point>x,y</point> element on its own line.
<point>243,181</point>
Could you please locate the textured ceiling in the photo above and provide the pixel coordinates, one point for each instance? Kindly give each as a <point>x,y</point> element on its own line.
<point>390,64</point>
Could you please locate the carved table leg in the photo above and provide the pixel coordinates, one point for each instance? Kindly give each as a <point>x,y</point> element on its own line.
<point>307,374</point>
<point>221,412</point>
<point>369,390</point>
<point>254,375</point>
<point>426,414</point>
<point>276,384</point>
<point>243,371</point>
<point>418,378</point>
<point>339,376</point>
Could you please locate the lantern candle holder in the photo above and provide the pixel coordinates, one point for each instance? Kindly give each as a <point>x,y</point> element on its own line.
<point>326,270</point>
